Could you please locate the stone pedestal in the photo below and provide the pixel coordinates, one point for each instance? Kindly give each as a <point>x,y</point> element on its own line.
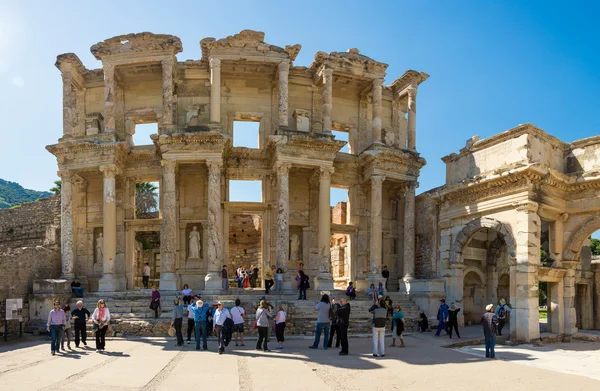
<point>45,292</point>
<point>323,282</point>
<point>213,280</point>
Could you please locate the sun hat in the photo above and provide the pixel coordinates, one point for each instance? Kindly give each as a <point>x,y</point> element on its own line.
<point>502,301</point>
<point>171,331</point>
<point>489,307</point>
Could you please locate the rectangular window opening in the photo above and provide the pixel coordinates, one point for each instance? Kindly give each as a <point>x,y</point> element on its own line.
<point>246,134</point>
<point>245,191</point>
<point>339,205</point>
<point>142,132</point>
<point>147,200</point>
<point>342,136</point>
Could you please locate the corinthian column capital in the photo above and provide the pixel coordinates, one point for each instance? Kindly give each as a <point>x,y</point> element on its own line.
<point>325,173</point>
<point>282,168</point>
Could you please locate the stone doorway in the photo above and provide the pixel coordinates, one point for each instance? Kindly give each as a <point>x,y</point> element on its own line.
<point>245,244</point>
<point>147,250</point>
<point>473,297</point>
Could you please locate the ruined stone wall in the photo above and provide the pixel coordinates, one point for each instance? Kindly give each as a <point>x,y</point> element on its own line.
<point>338,213</point>
<point>426,232</point>
<point>244,241</point>
<point>20,268</point>
<point>31,224</point>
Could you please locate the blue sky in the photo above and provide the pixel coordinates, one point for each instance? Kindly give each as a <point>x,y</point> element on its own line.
<point>493,64</point>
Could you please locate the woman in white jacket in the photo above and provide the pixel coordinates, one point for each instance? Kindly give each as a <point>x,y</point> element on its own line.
<point>101,318</point>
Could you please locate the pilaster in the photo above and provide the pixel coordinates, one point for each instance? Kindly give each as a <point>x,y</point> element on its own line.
<point>284,71</point>
<point>66,221</point>
<point>215,90</point>
<point>215,250</point>
<point>168,105</point>
<point>110,98</point>
<point>283,206</point>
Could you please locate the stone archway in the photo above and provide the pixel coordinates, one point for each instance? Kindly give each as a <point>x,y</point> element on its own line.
<point>573,247</point>
<point>485,222</point>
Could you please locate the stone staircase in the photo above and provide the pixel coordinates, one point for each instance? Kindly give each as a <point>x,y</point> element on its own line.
<point>131,315</point>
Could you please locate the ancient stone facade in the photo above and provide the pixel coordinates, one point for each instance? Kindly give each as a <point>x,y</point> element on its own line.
<point>195,104</point>
<point>31,224</point>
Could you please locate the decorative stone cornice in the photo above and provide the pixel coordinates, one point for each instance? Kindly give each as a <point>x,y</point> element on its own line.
<point>350,62</point>
<point>135,43</point>
<point>67,61</point>
<point>213,141</point>
<point>409,78</point>
<point>389,159</point>
<point>527,207</point>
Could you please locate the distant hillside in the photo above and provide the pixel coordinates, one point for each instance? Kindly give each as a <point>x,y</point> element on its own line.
<point>12,194</point>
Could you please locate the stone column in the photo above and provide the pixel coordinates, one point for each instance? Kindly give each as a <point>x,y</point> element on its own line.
<point>168,106</point>
<point>327,99</point>
<point>110,98</point>
<point>215,251</point>
<point>324,280</point>
<point>525,322</point>
<point>108,282</point>
<point>168,230</point>
<point>69,105</point>
<point>596,295</point>
<point>284,71</point>
<point>409,232</point>
<point>66,221</point>
<point>569,292</point>
<point>283,206</point>
<point>377,96</point>
<point>412,118</point>
<point>375,241</point>
<point>215,90</point>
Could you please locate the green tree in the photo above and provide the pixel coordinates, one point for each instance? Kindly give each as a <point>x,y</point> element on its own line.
<point>57,187</point>
<point>145,198</point>
<point>595,246</point>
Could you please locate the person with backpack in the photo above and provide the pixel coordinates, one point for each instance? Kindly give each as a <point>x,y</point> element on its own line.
<point>334,326</point>
<point>490,322</point>
<point>238,314</point>
<point>501,311</point>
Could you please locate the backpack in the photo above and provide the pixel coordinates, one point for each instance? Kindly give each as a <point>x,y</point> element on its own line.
<point>502,312</point>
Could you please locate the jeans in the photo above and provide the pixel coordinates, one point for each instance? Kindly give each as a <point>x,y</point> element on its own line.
<point>190,328</point>
<point>55,335</point>
<point>178,323</point>
<point>441,325</point>
<point>219,330</point>
<point>334,329</point>
<point>78,292</point>
<point>263,333</point>
<point>240,283</point>
<point>279,287</point>
<point>301,293</point>
<point>145,280</point>
<point>279,331</point>
<point>80,330</point>
<point>502,323</point>
<point>268,285</point>
<point>100,334</point>
<point>201,330</point>
<point>343,336</point>
<point>320,327</point>
<point>490,343</point>
<point>379,341</point>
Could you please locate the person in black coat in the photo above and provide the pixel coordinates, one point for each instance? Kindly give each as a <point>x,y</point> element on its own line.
<point>343,321</point>
<point>424,322</point>
<point>453,320</point>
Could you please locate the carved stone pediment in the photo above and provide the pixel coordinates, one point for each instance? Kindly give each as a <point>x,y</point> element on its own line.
<point>350,62</point>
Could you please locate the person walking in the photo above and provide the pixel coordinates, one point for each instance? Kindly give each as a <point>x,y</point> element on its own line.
<point>501,312</point>
<point>191,324</point>
<point>146,275</point>
<point>224,278</point>
<point>280,326</point>
<point>442,317</point>
<point>101,319</point>
<point>322,309</point>
<point>302,284</point>
<point>219,316</point>
<point>490,323</point>
<point>54,325</point>
<point>269,279</point>
<point>155,301</point>
<point>238,315</point>
<point>279,281</point>
<point>350,291</point>
<point>334,327</point>
<point>177,320</point>
<point>80,316</point>
<point>385,273</point>
<point>262,322</point>
<point>186,294</point>
<point>201,311</point>
<point>379,320</point>
<point>397,326</point>
<point>67,330</point>
<point>453,320</point>
<point>343,321</point>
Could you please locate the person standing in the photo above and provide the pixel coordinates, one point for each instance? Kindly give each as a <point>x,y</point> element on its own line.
<point>101,319</point>
<point>155,301</point>
<point>322,309</point>
<point>379,320</point>
<point>201,311</point>
<point>219,316</point>
<point>334,327</point>
<point>385,273</point>
<point>501,311</point>
<point>238,315</point>
<point>302,284</point>
<point>186,294</point>
<point>269,279</point>
<point>67,331</point>
<point>397,326</point>
<point>80,316</point>
<point>490,323</point>
<point>350,291</point>
<point>56,321</point>
<point>177,320</point>
<point>442,317</point>
<point>239,276</point>
<point>280,326</point>
<point>146,275</point>
<point>224,279</point>
<point>279,281</point>
<point>76,288</point>
<point>343,321</point>
<point>253,276</point>
<point>262,322</point>
<point>453,320</point>
<point>191,323</point>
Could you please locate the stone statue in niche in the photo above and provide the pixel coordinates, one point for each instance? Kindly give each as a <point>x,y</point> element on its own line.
<point>99,248</point>
<point>194,244</point>
<point>294,247</point>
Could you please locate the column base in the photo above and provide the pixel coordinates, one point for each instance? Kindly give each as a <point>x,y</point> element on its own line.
<point>323,282</point>
<point>168,282</point>
<point>69,277</point>
<point>111,283</point>
<point>213,280</point>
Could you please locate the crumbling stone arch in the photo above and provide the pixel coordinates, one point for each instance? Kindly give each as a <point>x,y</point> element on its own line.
<point>484,222</point>
<point>573,247</point>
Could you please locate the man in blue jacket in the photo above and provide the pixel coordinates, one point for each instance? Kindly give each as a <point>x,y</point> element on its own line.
<point>442,317</point>
<point>200,322</point>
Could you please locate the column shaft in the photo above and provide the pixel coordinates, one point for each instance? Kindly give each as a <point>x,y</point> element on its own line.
<point>215,251</point>
<point>377,96</point>
<point>569,292</point>
<point>168,106</point>
<point>283,204</point>
<point>66,221</point>
<point>108,282</point>
<point>409,232</point>
<point>324,233</point>
<point>284,70</point>
<point>376,230</point>
<point>412,118</point>
<point>109,99</point>
<point>215,90</point>
<point>327,99</point>
<point>168,230</point>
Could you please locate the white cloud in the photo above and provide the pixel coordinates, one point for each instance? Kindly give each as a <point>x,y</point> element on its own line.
<point>18,81</point>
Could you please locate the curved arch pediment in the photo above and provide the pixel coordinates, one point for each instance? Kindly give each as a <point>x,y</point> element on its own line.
<point>484,222</point>
<point>573,248</point>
